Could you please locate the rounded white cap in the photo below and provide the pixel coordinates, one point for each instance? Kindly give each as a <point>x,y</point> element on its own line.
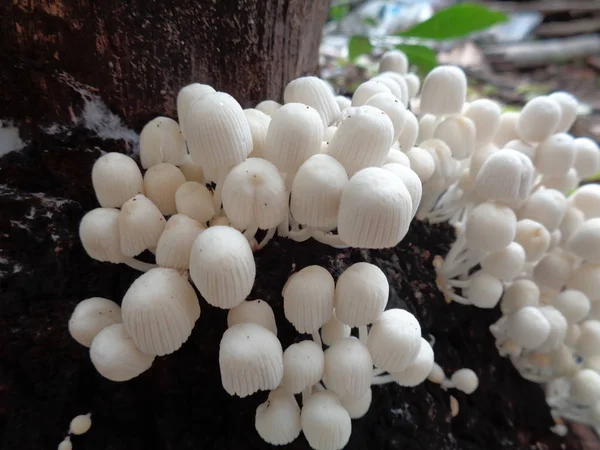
<point>116,178</point>
<point>277,420</point>
<point>253,311</point>
<point>325,422</point>
<point>91,316</point>
<point>418,370</point>
<point>303,365</point>
<point>348,368</point>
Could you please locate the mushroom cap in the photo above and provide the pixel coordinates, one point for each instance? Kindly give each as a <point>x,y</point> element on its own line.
<point>545,206</point>
<point>159,311</point>
<point>161,141</point>
<point>574,305</point>
<point>334,330</point>
<point>539,118</point>
<point>91,316</point>
<point>490,227</point>
<point>222,266</point>
<point>277,420</point>
<point>394,61</point>
<point>485,115</point>
<point>519,294</point>
<point>250,360</point>
<point>253,311</point>
<point>325,422</point>
<point>506,176</point>
<point>99,235</point>
<point>507,128</point>
<point>585,241</point>
<point>140,225</point>
<point>259,126</point>
<point>465,380</point>
<point>409,133</point>
<point>418,370</point>
<point>528,327</point>
<point>316,93</point>
<point>268,107</point>
<point>187,95</point>
<point>587,157</point>
<point>505,264</point>
<point>175,243</point>
<point>458,132</point>
<point>410,179</point>
<point>444,91</point>
<point>116,178</point>
<point>303,365</point>
<point>394,109</point>
<point>588,344</point>
<point>348,368</point>
<point>533,237</point>
<point>586,278</point>
<point>194,200</point>
<point>485,290</point>
<point>115,356</point>
<point>358,407</point>
<point>585,387</point>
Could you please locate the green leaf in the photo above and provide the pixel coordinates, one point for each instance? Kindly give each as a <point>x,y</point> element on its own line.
<point>338,12</point>
<point>419,55</point>
<point>370,21</point>
<point>456,22</point>
<point>358,45</point>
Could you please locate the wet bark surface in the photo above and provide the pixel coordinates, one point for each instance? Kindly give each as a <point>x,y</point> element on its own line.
<point>46,378</point>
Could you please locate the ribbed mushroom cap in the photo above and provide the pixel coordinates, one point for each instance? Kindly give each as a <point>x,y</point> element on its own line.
<point>485,115</point>
<point>396,156</point>
<point>160,185</point>
<point>295,133</point>
<point>524,148</point>
<point>585,241</point>
<point>363,138</point>
<point>308,298</point>
<point>116,178</point>
<point>505,264</point>
<point>259,125</point>
<point>115,356</point>
<point>91,316</point>
<point>421,162</point>
<point>253,311</point>
<point>413,83</point>
<point>159,311</point>
<point>303,365</point>
<point>538,119</point>
<point>334,330</point>
<point>490,227</point>
<point>222,266</point>
<point>317,191</point>
<point>250,360</point>
<point>459,133</point>
<point>507,130</point>
<point>196,201</point>
<point>506,176</point>
<point>268,107</point>
<point>375,210</point>
<point>99,235</point>
<point>411,180</point>
<point>395,61</point>
<point>254,195</point>
<point>187,95</point>
<point>175,243</point>
<point>568,110</point>
<point>325,422</point>
<point>361,294</point>
<point>409,133</point>
<point>555,155</point>
<point>394,340</point>
<point>217,131</point>
<point>394,109</point>
<point>368,89</point>
<point>396,83</point>
<point>444,91</point>
<point>277,420</point>
<point>358,407</point>
<point>140,225</point>
<point>161,141</point>
<point>314,92</point>
<point>348,368</point>
<point>418,370</point>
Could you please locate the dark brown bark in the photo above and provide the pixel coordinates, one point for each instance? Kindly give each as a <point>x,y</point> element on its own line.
<point>136,54</point>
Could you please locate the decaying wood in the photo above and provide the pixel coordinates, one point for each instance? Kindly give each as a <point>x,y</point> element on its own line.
<point>571,27</point>
<point>136,54</point>
<point>540,53</point>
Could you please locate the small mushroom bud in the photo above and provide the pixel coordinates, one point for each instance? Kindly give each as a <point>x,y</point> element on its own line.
<point>268,107</point>
<point>505,264</point>
<point>528,327</point>
<point>160,185</point>
<point>303,365</point>
<point>175,243</point>
<point>485,290</point>
<point>308,298</point>
<point>524,148</point>
<point>191,171</point>
<point>217,131</point>
<point>444,91</point>
<point>254,195</point>
<point>539,118</point>
<point>325,422</point>
<point>343,102</point>
<point>458,132</point>
<point>418,370</point>
<point>159,311</point>
<point>485,115</point>
<point>465,380</point>
<point>506,176</point>
<point>395,156</point>
<point>413,83</point>
<point>195,200</point>
<point>253,311</point>
<point>558,329</point>
<point>422,162</point>
<point>116,178</point>
<point>547,207</point>
<point>574,305</point>
<point>394,340</point>
<point>317,191</point>
<point>490,227</point>
<point>222,266</point>
<point>115,356</point>
<point>394,109</point>
<point>533,237</point>
<point>519,294</point>
<point>479,158</point>
<point>314,92</point>
<point>587,157</point>
<point>427,126</point>
<point>396,83</point>
<point>587,199</point>
<point>585,241</point>
<point>348,368</point>
<point>552,271</point>
<point>186,96</point>
<point>90,317</point>
<point>80,424</point>
<point>295,134</point>
<point>409,133</point>
<point>358,407</point>
<point>259,126</point>
<point>250,359</point>
<point>363,139</point>
<point>555,155</point>
<point>585,387</point>
<point>586,278</point>
<point>588,344</point>
<point>568,110</point>
<point>277,420</point>
<point>437,374</point>
<point>140,225</point>
<point>334,330</point>
<point>394,61</point>
<point>361,295</point>
<point>99,235</point>
<point>161,141</point>
<point>65,444</point>
<point>507,128</point>
<point>375,210</point>
<point>367,90</point>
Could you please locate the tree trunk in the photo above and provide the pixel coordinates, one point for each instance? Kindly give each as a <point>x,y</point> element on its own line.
<point>135,55</point>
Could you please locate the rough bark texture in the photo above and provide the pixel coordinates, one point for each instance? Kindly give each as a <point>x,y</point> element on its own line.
<point>137,54</point>
<point>47,378</point>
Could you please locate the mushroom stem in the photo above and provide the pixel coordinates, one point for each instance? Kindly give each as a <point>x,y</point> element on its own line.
<point>363,334</point>
<point>299,236</point>
<point>139,265</point>
<point>383,379</point>
<point>221,175</point>
<point>377,372</point>
<point>284,227</point>
<point>305,394</point>
<point>317,338</point>
<point>250,232</point>
<point>267,238</point>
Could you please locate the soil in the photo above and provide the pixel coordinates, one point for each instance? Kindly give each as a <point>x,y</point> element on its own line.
<point>46,378</point>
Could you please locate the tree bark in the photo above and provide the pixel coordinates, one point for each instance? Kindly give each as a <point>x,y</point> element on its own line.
<point>136,54</point>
